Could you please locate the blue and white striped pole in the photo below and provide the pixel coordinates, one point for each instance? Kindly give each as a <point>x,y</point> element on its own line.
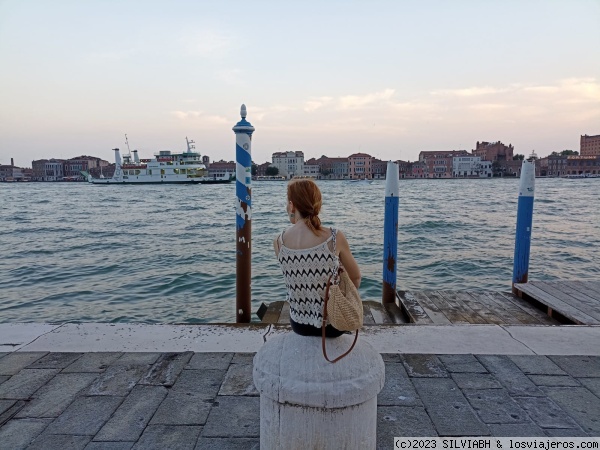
<point>243,156</point>
<point>524,223</point>
<point>390,233</point>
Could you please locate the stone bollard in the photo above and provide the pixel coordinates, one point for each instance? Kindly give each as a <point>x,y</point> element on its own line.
<point>309,403</point>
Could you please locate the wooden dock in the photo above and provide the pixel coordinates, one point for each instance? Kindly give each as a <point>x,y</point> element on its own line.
<point>575,302</point>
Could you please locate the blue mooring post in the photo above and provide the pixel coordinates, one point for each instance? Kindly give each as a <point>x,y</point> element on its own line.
<point>390,233</point>
<point>243,188</point>
<point>524,223</point>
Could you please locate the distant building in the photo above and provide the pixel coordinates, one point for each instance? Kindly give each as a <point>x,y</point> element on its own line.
<point>221,168</point>
<point>557,166</point>
<point>290,164</point>
<point>439,164</point>
<point>312,168</point>
<point>583,165</point>
<point>74,166</point>
<point>404,169</point>
<point>418,169</point>
<point>261,169</point>
<point>471,167</point>
<point>335,168</point>
<point>493,151</point>
<point>589,145</point>
<point>378,169</point>
<point>11,173</point>
<point>359,166</point>
<point>48,169</point>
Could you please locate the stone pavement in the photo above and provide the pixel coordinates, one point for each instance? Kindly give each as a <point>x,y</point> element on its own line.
<point>187,400</point>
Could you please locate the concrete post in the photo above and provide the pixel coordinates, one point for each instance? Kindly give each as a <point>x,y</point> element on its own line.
<point>243,153</point>
<point>524,223</point>
<point>390,233</point>
<point>309,403</point>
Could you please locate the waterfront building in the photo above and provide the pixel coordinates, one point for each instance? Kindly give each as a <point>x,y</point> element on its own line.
<point>312,168</point>
<point>48,169</point>
<point>418,169</point>
<point>220,169</point>
<point>471,167</point>
<point>74,166</point>
<point>261,169</point>
<point>589,145</point>
<point>289,163</point>
<point>378,169</point>
<point>335,168</point>
<point>11,173</point>
<point>557,166</point>
<point>438,164</point>
<point>583,165</point>
<point>359,166</point>
<point>404,169</point>
<point>493,151</point>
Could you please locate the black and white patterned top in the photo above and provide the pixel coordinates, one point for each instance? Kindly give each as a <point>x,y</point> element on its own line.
<point>306,272</point>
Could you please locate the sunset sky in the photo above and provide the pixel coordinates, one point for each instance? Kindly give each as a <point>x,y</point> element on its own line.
<point>389,78</point>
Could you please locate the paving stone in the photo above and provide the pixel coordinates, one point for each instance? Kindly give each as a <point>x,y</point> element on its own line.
<point>3,354</point>
<point>546,413</point>
<point>137,359</point>
<point>449,410</point>
<point>554,380</point>
<point>495,406</point>
<point>117,380</point>
<point>565,432</point>
<point>391,358</point>
<point>109,445</point>
<point>577,366</point>
<point>515,429</point>
<point>166,369</point>
<point>397,390</point>
<point>130,419</point>
<point>93,362</point>
<point>159,437</point>
<point>182,409</point>
<point>59,442</point>
<point>5,405</point>
<point>215,361</point>
<point>243,358</point>
<point>227,444</point>
<point>234,417</point>
<point>54,397</point>
<point>509,375</point>
<point>593,385</point>
<point>536,365</point>
<point>85,416</point>
<point>55,360</point>
<point>4,378</point>
<point>17,434</point>
<point>462,363</point>
<point>580,404</point>
<point>475,381</point>
<point>424,366</point>
<point>402,421</point>
<point>238,381</point>
<point>13,363</point>
<point>25,383</point>
<point>204,383</point>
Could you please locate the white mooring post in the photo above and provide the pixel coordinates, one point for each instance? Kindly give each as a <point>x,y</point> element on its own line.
<point>307,402</point>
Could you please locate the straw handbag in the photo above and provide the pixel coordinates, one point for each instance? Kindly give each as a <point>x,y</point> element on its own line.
<point>343,305</point>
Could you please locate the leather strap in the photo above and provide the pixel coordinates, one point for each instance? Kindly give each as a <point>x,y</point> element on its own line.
<point>324,325</point>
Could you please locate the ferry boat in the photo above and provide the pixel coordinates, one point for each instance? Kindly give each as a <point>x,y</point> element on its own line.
<point>165,167</point>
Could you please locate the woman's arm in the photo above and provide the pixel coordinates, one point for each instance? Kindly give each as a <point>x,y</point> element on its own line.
<point>347,259</point>
<point>276,246</point>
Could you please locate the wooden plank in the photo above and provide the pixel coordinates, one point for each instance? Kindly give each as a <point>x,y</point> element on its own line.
<point>480,307</point>
<point>520,311</point>
<point>380,315</point>
<point>455,298</point>
<point>273,312</point>
<point>587,288</point>
<point>285,314</point>
<point>432,310</point>
<point>571,297</point>
<point>367,316</point>
<point>541,311</point>
<point>395,313</point>
<point>412,308</point>
<point>506,311</point>
<point>557,304</point>
<point>454,311</point>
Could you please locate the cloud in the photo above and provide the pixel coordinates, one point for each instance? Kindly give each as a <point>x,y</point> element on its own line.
<point>360,101</point>
<point>468,92</point>
<point>315,103</point>
<point>200,117</point>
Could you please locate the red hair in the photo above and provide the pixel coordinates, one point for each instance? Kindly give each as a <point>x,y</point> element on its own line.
<point>306,197</point>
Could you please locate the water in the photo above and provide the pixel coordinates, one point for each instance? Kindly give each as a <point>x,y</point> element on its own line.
<point>71,252</point>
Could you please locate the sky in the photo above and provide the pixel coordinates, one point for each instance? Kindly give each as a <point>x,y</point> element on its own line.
<point>328,77</point>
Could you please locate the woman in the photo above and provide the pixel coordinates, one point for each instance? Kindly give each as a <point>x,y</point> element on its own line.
<point>306,254</point>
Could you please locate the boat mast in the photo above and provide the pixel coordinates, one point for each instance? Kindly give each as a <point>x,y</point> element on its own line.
<point>190,145</point>
<point>128,149</point>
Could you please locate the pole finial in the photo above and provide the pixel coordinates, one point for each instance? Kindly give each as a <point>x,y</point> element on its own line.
<point>243,111</point>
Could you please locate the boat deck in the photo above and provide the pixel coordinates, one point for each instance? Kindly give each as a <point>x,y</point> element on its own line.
<point>576,302</point>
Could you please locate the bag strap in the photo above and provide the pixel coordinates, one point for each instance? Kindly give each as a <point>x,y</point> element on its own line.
<point>323,325</point>
<point>336,266</point>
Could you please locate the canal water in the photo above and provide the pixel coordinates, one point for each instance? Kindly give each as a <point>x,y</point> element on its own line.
<point>73,252</point>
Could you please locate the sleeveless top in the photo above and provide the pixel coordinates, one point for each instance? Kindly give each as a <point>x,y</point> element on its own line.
<point>306,272</point>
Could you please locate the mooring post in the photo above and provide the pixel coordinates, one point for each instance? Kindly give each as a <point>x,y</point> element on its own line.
<point>390,233</point>
<point>243,155</point>
<point>524,223</point>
